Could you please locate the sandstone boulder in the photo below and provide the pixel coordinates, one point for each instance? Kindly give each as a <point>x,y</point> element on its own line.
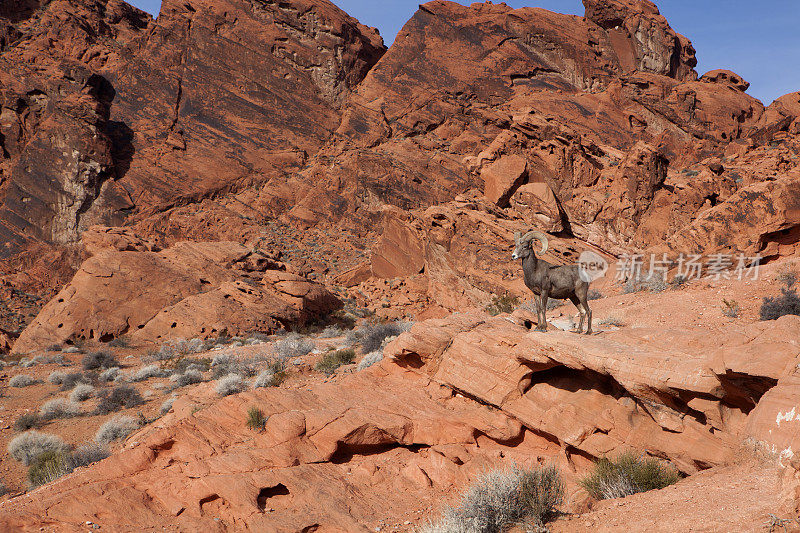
<point>187,290</point>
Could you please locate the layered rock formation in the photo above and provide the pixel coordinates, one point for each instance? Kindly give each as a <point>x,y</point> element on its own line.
<point>132,287</point>
<point>452,397</point>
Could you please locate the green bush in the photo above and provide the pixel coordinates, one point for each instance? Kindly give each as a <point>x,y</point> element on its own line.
<point>334,359</point>
<point>502,304</point>
<point>629,474</point>
<point>256,419</point>
<point>49,466</point>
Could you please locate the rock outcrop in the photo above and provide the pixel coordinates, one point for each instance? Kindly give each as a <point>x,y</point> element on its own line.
<point>451,398</point>
<point>191,289</point>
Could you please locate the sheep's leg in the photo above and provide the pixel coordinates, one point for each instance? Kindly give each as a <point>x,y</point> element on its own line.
<point>542,312</point>
<point>588,317</point>
<point>577,303</point>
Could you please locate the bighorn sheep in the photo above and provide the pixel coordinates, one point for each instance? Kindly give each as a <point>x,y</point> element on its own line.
<point>551,281</point>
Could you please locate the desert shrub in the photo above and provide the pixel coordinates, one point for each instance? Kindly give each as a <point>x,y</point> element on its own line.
<point>147,372</point>
<point>221,359</point>
<point>89,453</point>
<point>26,363</point>
<point>53,348</point>
<point>594,294</point>
<point>109,374</point>
<point>502,498</point>
<point>374,335</point>
<point>81,393</point>
<point>3,489</point>
<point>334,359</point>
<point>293,345</point>
<point>71,349</point>
<point>120,342</point>
<point>57,359</point>
<point>265,379</point>
<point>611,321</point>
<point>101,359</point>
<point>29,445</point>
<point>56,377</point>
<point>179,348</point>
<point>502,304</point>
<point>59,408</point>
<point>21,380</point>
<point>256,419</point>
<point>190,377</point>
<point>27,421</point>
<point>627,475</point>
<point>230,384</point>
<point>730,308</point>
<point>117,428</point>
<point>678,282</point>
<point>69,381</point>
<point>200,364</point>
<point>332,331</point>
<point>788,278</point>
<point>788,303</point>
<point>166,406</point>
<point>49,466</point>
<point>121,396</point>
<point>639,284</point>
<point>370,359</point>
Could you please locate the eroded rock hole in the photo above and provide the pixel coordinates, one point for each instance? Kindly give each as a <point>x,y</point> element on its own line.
<point>270,492</point>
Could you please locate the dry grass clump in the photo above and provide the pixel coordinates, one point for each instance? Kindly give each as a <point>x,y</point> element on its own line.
<point>121,396</point>
<point>27,421</point>
<point>89,453</point>
<point>101,359</point>
<point>81,393</point>
<point>56,377</point>
<point>294,345</point>
<point>117,428</point>
<point>147,372</point>
<point>21,380</point>
<point>230,384</point>
<point>500,499</point>
<point>189,377</point>
<point>69,381</point>
<point>265,379</point>
<point>59,408</point>
<point>639,284</point>
<point>374,336</point>
<point>29,445</point>
<point>166,406</point>
<point>370,359</point>
<point>629,474</point>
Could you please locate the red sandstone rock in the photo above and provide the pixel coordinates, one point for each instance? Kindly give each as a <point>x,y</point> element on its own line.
<point>187,290</point>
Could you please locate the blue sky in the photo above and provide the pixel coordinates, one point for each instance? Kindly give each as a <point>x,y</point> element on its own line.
<point>758,40</point>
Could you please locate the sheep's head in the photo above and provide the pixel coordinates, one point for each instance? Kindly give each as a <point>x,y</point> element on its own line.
<point>524,248</point>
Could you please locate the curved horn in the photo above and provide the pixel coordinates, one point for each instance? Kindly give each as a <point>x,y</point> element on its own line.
<point>539,236</point>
